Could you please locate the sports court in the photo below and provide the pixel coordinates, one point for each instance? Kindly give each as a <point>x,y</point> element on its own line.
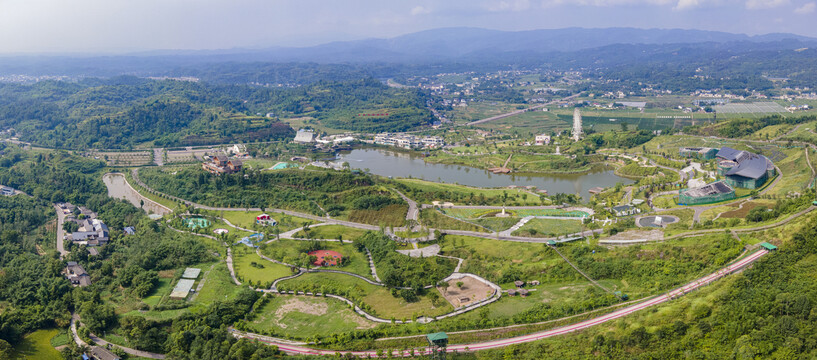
<point>195,223</point>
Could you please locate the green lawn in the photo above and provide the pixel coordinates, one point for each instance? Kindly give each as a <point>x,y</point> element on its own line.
<point>62,338</point>
<point>37,346</point>
<point>549,227</point>
<point>288,251</point>
<point>264,274</point>
<point>331,232</point>
<point>431,218</point>
<point>246,219</point>
<point>796,172</point>
<point>378,298</point>
<point>304,317</point>
<point>464,192</point>
<point>494,259</point>
<point>161,290</point>
<point>218,286</point>
<point>166,202</point>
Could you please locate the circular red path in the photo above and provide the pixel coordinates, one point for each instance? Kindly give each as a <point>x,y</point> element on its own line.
<point>326,257</point>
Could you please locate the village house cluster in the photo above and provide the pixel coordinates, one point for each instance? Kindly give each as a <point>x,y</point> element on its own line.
<point>221,164</point>
<point>91,231</point>
<point>408,141</point>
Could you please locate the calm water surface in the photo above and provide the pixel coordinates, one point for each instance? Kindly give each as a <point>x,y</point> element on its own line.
<point>395,164</point>
<point>118,188</point>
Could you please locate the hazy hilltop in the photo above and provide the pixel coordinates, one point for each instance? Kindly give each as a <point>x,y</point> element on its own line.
<point>437,46</point>
<point>458,43</point>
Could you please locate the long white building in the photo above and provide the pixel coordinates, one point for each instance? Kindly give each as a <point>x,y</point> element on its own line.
<point>408,141</point>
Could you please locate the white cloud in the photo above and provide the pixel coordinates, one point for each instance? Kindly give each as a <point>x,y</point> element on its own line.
<point>764,4</point>
<point>420,10</point>
<point>508,5</point>
<point>687,4</point>
<point>611,3</point>
<point>807,8</point>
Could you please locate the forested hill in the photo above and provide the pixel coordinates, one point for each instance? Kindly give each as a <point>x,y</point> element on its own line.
<point>126,112</point>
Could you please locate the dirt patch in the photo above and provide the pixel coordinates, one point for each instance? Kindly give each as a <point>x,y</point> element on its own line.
<point>167,274</point>
<point>743,211</point>
<point>301,306</point>
<point>638,234</point>
<point>472,291</point>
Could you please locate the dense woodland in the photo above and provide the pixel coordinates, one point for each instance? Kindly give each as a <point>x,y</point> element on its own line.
<point>397,270</point>
<point>35,295</point>
<point>767,312</point>
<point>126,112</point>
<point>742,127</point>
<point>317,192</point>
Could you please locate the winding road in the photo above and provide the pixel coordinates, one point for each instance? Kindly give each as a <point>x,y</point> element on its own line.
<point>660,299</point>
<point>60,232</point>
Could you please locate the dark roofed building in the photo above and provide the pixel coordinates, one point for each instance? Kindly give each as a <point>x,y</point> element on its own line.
<point>100,353</point>
<point>727,153</point>
<point>76,274</point>
<point>625,210</point>
<point>751,173</point>
<point>220,164</point>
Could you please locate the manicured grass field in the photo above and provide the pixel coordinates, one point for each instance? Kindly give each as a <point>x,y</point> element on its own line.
<point>166,202</point>
<point>514,195</point>
<point>246,219</point>
<point>288,251</point>
<point>481,110</point>
<point>378,298</point>
<point>796,172</point>
<point>331,232</point>
<point>244,256</point>
<point>37,346</point>
<point>218,286</point>
<point>549,227</point>
<point>497,223</point>
<point>492,258</point>
<point>304,317</point>
<point>161,290</point>
<point>390,215</point>
<point>433,219</point>
<point>62,338</point>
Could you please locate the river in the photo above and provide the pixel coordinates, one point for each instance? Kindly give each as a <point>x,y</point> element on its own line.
<point>396,164</point>
<point>119,188</point>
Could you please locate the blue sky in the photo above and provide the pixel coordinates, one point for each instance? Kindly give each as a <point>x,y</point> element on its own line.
<point>114,26</point>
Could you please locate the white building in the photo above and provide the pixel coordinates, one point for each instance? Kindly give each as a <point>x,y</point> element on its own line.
<point>408,141</point>
<point>237,149</point>
<point>304,136</point>
<point>543,139</point>
<point>433,141</point>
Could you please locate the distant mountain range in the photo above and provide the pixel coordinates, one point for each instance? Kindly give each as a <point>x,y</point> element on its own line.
<point>462,43</point>
<point>438,46</point>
